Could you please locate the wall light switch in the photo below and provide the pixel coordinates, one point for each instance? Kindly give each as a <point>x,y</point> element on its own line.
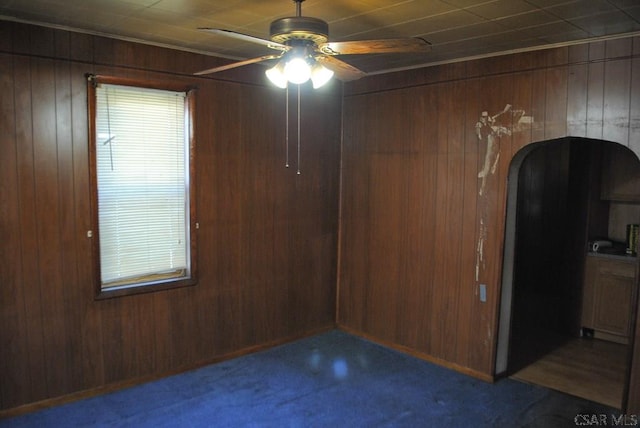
<point>483,293</point>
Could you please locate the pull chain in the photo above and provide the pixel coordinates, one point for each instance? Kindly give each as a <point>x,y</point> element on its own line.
<point>286,148</point>
<point>298,130</point>
<point>287,127</point>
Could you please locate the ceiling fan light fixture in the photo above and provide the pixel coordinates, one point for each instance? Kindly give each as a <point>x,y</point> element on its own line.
<point>320,75</point>
<point>297,70</point>
<point>276,75</point>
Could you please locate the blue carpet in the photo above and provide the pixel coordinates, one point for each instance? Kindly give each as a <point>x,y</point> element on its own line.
<point>329,380</point>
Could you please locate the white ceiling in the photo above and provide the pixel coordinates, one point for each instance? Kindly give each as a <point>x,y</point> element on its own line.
<point>456,29</point>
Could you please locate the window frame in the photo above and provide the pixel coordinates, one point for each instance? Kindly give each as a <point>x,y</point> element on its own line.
<point>190,103</point>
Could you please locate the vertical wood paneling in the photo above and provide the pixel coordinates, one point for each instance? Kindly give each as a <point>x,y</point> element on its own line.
<point>61,44</point>
<point>595,91</point>
<point>412,139</point>
<point>49,232</point>
<point>72,317</point>
<point>40,41</point>
<point>81,48</point>
<point>577,100</point>
<point>556,56</point>
<point>468,295</point>
<point>220,226</point>
<point>35,357</point>
<point>419,254</point>
<point>617,94</point>
<point>523,100</point>
<point>633,400</point>
<point>555,118</point>
<point>490,202</point>
<point>386,208</point>
<point>538,104</point>
<point>319,303</point>
<point>452,248</point>
<point>6,38</point>
<point>565,91</point>
<point>352,302</point>
<point>473,103</point>
<point>82,297</point>
<point>14,386</point>
<point>428,253</point>
<point>437,326</point>
<point>634,115</point>
<point>267,255</point>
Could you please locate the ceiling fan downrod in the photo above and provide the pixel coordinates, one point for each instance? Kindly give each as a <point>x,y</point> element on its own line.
<point>299,29</point>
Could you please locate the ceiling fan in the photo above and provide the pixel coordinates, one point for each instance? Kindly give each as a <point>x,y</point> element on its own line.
<point>305,52</point>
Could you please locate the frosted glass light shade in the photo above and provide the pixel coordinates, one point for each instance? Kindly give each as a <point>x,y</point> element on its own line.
<point>320,75</point>
<point>297,71</point>
<point>276,76</point>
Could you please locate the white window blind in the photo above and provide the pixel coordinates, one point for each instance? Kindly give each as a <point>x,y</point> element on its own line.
<point>142,177</point>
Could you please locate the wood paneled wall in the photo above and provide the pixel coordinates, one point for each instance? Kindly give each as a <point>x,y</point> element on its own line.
<point>420,230</point>
<point>266,244</point>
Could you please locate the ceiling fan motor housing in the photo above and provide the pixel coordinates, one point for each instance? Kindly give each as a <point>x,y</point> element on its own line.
<point>303,28</point>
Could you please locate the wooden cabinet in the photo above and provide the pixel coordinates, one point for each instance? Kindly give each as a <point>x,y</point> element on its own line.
<point>620,175</point>
<point>609,291</point>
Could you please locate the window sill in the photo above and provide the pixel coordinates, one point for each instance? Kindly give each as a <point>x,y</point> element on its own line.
<point>142,288</point>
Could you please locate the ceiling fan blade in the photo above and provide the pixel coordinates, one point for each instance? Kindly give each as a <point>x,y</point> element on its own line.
<point>237,64</point>
<point>404,45</point>
<point>246,38</point>
<point>342,70</point>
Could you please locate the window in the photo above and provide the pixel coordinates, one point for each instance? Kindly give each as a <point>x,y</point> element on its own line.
<point>142,155</point>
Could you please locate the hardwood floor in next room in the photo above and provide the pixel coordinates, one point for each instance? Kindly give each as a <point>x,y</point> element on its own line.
<point>588,368</point>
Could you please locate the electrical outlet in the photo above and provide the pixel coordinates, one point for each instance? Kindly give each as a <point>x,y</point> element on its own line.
<point>483,293</point>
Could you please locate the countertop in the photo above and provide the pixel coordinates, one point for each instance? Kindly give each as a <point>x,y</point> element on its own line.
<point>620,257</point>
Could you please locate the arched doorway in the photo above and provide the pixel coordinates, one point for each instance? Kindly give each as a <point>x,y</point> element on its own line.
<point>554,208</point>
